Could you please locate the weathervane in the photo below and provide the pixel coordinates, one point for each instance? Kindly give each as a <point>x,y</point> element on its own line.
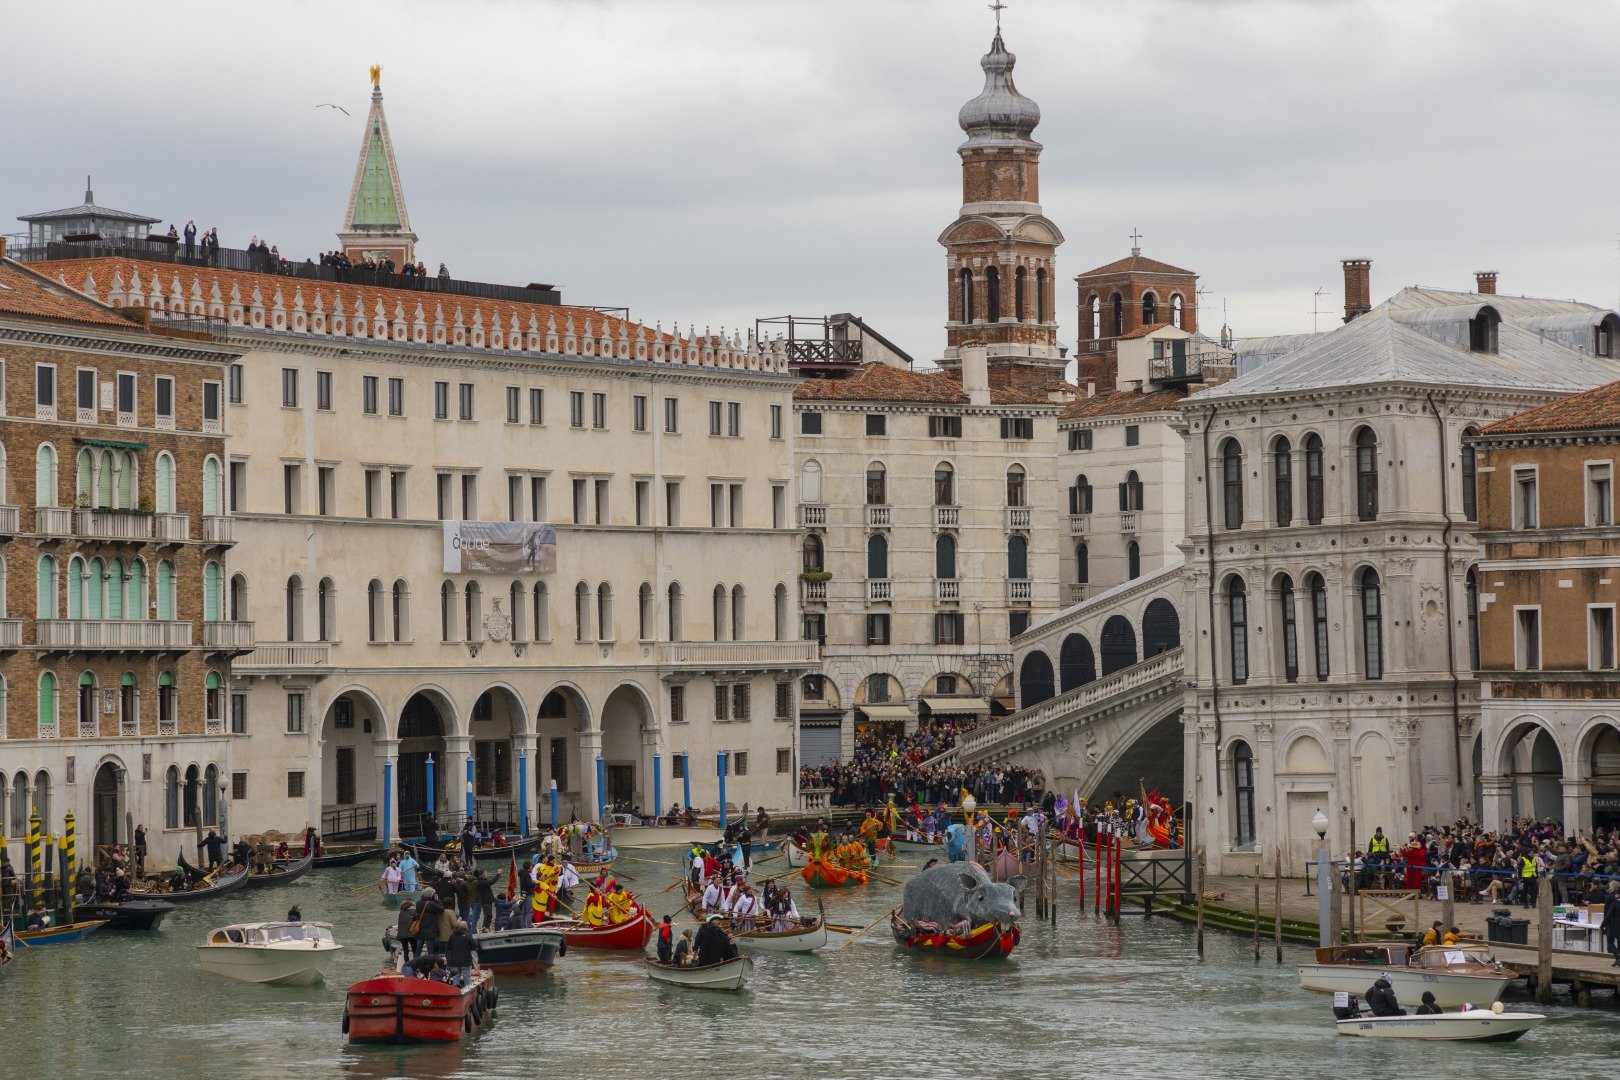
<point>998,7</point>
<point>376,75</point>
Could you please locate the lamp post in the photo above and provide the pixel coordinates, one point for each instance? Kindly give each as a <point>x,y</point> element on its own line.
<point>1324,882</point>
<point>970,804</point>
<point>224,811</point>
<point>553,802</point>
<point>432,803</point>
<point>720,770</point>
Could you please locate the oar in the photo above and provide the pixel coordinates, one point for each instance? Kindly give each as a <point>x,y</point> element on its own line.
<point>874,922</point>
<point>671,888</point>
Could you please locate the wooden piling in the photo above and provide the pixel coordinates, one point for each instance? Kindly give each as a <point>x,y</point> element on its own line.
<point>1198,901</point>
<point>1276,910</point>
<point>1257,912</point>
<point>1544,936</point>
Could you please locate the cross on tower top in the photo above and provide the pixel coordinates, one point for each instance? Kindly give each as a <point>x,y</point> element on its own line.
<point>1136,241</point>
<point>998,7</point>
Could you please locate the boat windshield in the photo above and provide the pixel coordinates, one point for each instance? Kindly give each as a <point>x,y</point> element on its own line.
<point>1364,954</point>
<point>299,932</point>
<point>1454,957</point>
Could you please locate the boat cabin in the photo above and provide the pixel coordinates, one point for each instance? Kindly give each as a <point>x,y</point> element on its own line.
<point>1379,953</point>
<point>274,933</point>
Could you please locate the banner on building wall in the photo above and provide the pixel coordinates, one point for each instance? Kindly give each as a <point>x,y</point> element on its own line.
<point>499,547</point>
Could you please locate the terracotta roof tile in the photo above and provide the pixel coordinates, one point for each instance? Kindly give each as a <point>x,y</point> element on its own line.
<point>1140,264</point>
<point>1124,403</point>
<point>1589,411</point>
<point>881,382</point>
<point>1143,331</point>
<point>28,293</point>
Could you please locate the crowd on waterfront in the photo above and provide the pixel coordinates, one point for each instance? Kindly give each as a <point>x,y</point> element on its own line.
<point>1504,866</point>
<point>894,766</point>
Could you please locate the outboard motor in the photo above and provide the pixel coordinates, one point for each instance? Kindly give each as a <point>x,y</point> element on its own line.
<point>1345,1006</point>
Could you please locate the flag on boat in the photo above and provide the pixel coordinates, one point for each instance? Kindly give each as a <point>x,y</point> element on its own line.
<point>511,879</point>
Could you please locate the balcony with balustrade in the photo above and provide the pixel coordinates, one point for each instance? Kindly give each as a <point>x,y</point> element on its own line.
<point>947,517</point>
<point>812,592</point>
<point>113,635</point>
<point>10,521</point>
<point>283,657</point>
<point>54,521</point>
<point>812,515</point>
<point>879,590</point>
<point>171,528</point>
<point>1020,591</point>
<point>228,636</point>
<point>947,590</point>
<point>218,530</point>
<point>1018,518</point>
<point>1078,523</point>
<point>1127,521</point>
<point>879,517</point>
<point>730,655</point>
<point>10,633</point>
<point>112,525</point>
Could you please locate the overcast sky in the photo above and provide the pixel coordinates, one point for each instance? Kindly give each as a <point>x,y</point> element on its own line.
<point>713,161</point>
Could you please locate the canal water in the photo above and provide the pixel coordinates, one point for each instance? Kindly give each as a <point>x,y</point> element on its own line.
<point>1085,998</point>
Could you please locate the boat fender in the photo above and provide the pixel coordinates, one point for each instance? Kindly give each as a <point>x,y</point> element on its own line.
<point>562,948</point>
<point>494,997</point>
<point>345,1021</point>
<point>467,1023</point>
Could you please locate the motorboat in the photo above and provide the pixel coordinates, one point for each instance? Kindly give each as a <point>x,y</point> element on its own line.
<point>1495,1024</point>
<point>276,953</point>
<point>1456,975</point>
<point>128,915</point>
<point>526,950</point>
<point>65,934</point>
<point>392,1007</point>
<point>726,975</point>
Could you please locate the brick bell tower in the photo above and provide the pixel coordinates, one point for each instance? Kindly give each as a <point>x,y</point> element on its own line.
<point>1000,252</point>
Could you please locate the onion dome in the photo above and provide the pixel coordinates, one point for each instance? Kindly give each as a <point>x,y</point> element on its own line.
<point>1000,112</point>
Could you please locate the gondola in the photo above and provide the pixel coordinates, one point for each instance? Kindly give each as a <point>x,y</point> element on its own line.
<point>426,854</point>
<point>349,858</point>
<point>292,872</point>
<point>988,941</point>
<point>129,915</point>
<point>225,883</point>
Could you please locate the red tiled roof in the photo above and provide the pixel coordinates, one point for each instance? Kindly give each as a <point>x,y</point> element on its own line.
<point>1142,331</point>
<point>1124,403</point>
<point>1140,264</point>
<point>25,292</point>
<point>880,382</point>
<point>1588,411</point>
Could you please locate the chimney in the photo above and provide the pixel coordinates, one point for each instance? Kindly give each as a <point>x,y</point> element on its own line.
<point>1485,282</point>
<point>976,373</point>
<point>2,247</point>
<point>1357,287</point>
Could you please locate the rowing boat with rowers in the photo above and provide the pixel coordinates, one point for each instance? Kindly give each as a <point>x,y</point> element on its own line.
<point>808,936</point>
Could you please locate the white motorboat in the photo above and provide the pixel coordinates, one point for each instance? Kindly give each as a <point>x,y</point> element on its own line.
<point>1456,975</point>
<point>275,953</point>
<point>726,975</point>
<point>1475,1025</point>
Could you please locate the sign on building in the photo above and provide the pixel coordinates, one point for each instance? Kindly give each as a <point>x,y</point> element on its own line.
<point>499,547</point>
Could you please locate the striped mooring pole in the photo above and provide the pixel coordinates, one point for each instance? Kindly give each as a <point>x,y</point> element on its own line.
<point>70,863</point>
<point>36,868</point>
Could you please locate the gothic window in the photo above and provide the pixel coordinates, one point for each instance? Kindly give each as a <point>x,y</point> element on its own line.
<point>992,294</point>
<point>1319,624</point>
<point>1150,309</point>
<point>965,276</point>
<point>1313,480</point>
<point>1282,458</point>
<point>1119,315</point>
<point>1372,625</point>
<point>1237,620</point>
<point>1366,475</point>
<point>1096,317</point>
<point>1232,483</point>
<point>1290,628</point>
<point>1020,279</point>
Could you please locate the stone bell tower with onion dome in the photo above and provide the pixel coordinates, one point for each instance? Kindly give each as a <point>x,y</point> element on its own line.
<point>1000,252</point>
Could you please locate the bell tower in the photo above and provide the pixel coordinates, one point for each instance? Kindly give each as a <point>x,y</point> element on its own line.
<point>376,224</point>
<point>1000,252</point>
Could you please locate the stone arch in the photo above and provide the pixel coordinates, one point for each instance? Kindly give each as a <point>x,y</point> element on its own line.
<point>1304,753</point>
<point>563,719</point>
<point>628,715</point>
<point>1161,627</point>
<point>1501,755</point>
<point>1035,683</point>
<point>1118,645</point>
<point>426,778</point>
<point>1077,663</point>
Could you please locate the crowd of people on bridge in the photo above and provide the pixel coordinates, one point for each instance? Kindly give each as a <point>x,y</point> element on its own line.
<point>889,765</point>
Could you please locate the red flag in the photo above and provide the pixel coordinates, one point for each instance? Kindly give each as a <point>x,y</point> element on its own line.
<point>511,879</point>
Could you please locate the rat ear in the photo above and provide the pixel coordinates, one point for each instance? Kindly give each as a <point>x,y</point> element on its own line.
<point>969,882</point>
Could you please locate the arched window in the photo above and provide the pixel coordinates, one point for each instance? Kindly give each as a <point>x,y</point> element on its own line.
<point>1319,624</point>
<point>213,488</point>
<point>190,798</point>
<point>49,716</point>
<point>1017,490</point>
<point>604,612</point>
<point>165,591</point>
<point>1482,331</point>
<point>719,613</point>
<point>1150,309</point>
<point>1175,310</point>
<point>1082,560</point>
<point>965,293</point>
<point>129,705</point>
<point>809,483</point>
<point>780,611</point>
<point>1019,277</point>
<point>944,484</point>
<point>375,617</point>
<point>171,798</point>
<point>1471,594</point>
<point>1131,492</point>
<point>675,612</point>
<point>165,482</point>
<point>1372,624</point>
<point>104,479</point>
<point>1232,483</point>
<point>78,581</point>
<point>1035,682</point>
<point>239,595</point>
<point>45,585</point>
<point>1242,796</point>
<point>1282,471</point>
<point>739,622</point>
<point>541,612</point>
<point>992,290</point>
<point>168,711</point>
<point>1470,483</point>
<point>87,704</point>
<point>582,612</point>
<point>1290,628</point>
<point>1077,664</point>
<point>1133,561</point>
<point>400,602</point>
<point>1040,295</point>
<point>877,488</point>
<point>447,611</point>
<point>1366,475</point>
<point>1080,496</point>
<point>1119,315</point>
<point>1313,480</point>
<point>877,557</point>
<point>945,557</point>
<point>814,555</point>
<point>325,610</point>
<point>129,475</point>
<point>1237,624</point>
<point>210,789</point>
<point>45,475</point>
<point>212,591</point>
<point>295,607</point>
<point>1096,317</point>
<point>84,477</point>
<point>1017,558</point>
<point>136,603</point>
<point>95,589</point>
<point>116,581</point>
<point>646,617</point>
<point>474,613</point>
<point>517,610</point>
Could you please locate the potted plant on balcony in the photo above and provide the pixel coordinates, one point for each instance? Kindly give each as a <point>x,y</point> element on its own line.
<point>815,576</point>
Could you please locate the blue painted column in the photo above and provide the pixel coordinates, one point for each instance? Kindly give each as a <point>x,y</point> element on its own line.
<point>469,787</point>
<point>601,790</point>
<point>686,779</point>
<point>432,802</point>
<point>388,804</point>
<point>720,770</point>
<point>658,786</point>
<point>554,804</point>
<point>523,793</point>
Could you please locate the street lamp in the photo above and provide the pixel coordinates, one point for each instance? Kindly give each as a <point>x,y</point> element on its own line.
<point>224,810</point>
<point>1324,882</point>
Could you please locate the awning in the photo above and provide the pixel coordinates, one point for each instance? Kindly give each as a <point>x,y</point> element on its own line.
<point>887,712</point>
<point>112,444</point>
<point>956,705</point>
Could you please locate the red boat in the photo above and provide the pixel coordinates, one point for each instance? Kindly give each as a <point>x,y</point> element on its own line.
<point>632,934</point>
<point>395,1008</point>
<point>982,942</point>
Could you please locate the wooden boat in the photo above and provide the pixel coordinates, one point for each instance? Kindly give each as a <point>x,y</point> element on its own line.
<point>1005,866</point>
<point>825,874</point>
<point>797,856</point>
<point>587,869</point>
<point>808,936</point>
<point>349,858</point>
<point>427,854</point>
<point>219,886</point>
<point>1475,1025</point>
<point>60,935</point>
<point>396,1008</point>
<point>726,975</point>
<point>988,941</point>
<point>273,953</point>
<point>527,950</point>
<point>1455,975</point>
<point>129,915</point>
<point>633,933</point>
<point>281,873</point>
<point>907,844</point>
<point>394,899</point>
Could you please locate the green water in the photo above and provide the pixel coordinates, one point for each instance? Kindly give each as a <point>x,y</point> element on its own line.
<point>1083,999</point>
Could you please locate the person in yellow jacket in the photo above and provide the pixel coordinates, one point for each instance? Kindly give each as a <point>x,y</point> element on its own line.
<point>870,827</point>
<point>545,889</point>
<point>620,904</point>
<point>594,915</point>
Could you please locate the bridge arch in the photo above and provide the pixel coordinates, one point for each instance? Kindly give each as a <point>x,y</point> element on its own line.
<point>1077,663</point>
<point>1161,628</point>
<point>1034,679</point>
<point>1118,645</point>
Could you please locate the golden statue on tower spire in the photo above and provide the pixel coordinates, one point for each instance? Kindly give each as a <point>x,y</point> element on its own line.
<point>376,75</point>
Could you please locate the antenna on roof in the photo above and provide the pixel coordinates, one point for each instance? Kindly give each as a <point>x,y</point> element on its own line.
<point>1316,307</point>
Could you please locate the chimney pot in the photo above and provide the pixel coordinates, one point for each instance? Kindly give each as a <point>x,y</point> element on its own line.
<point>1357,287</point>
<point>1485,282</point>
<point>976,373</point>
<point>2,247</point>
